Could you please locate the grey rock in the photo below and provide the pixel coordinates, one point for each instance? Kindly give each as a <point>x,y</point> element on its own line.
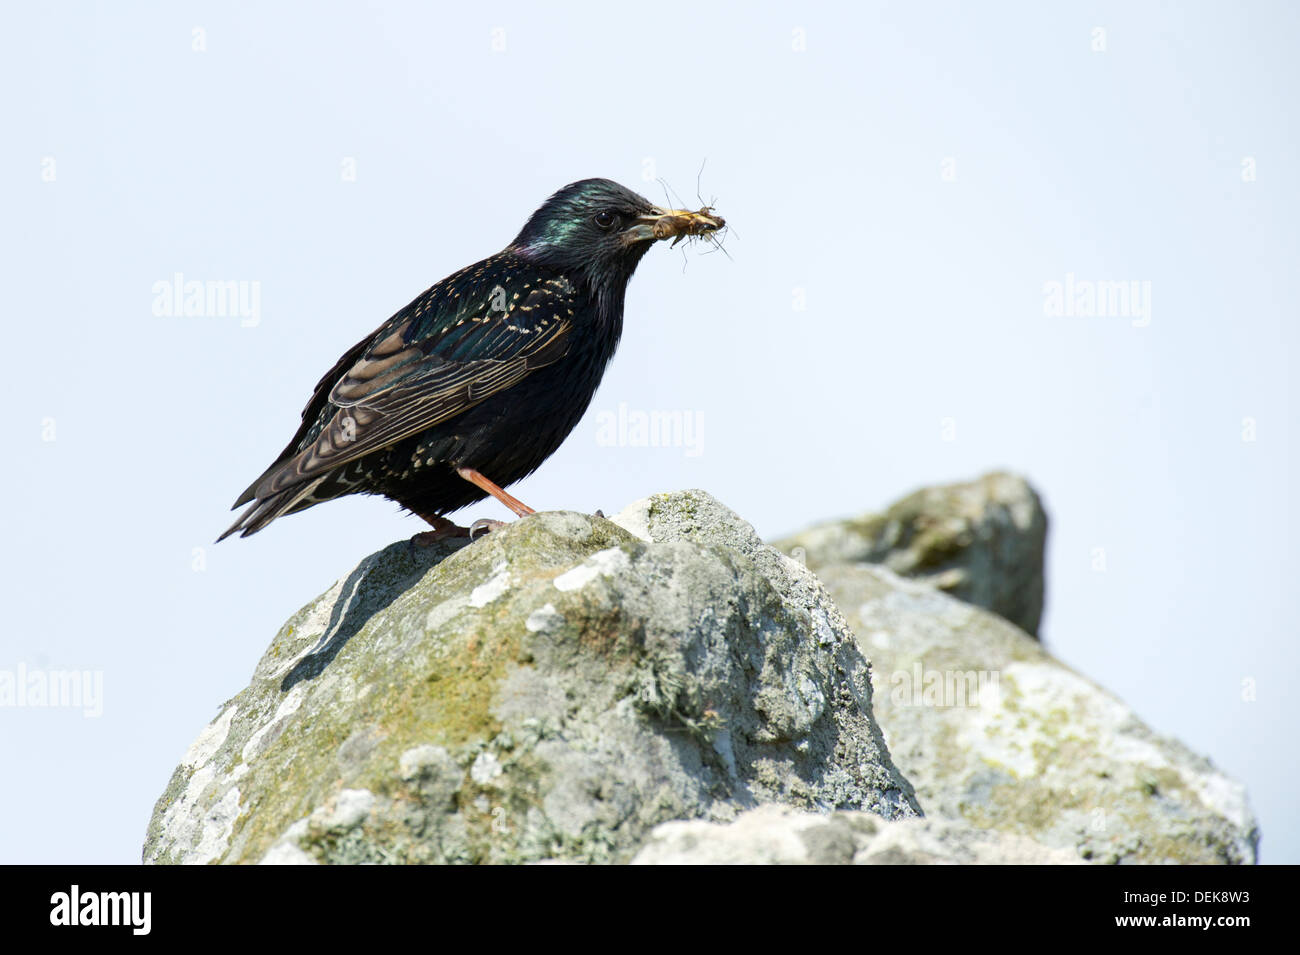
<point>550,692</point>
<point>779,835</point>
<point>981,541</point>
<point>994,732</point>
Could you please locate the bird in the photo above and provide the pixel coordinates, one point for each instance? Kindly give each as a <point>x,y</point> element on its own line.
<point>478,380</point>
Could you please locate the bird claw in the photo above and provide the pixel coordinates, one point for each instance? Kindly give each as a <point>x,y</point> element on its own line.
<point>483,526</point>
<point>452,531</point>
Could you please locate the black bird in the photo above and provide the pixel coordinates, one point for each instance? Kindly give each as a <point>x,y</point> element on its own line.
<point>477,382</point>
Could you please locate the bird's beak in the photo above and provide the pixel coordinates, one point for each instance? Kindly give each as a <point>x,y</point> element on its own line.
<point>675,224</point>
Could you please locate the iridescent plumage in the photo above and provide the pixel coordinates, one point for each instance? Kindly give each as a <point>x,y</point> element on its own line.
<point>487,371</point>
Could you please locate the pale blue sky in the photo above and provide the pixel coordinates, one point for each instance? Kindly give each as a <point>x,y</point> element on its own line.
<point>913,178</point>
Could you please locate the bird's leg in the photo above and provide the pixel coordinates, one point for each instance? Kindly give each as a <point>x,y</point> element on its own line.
<point>478,480</point>
<point>442,529</point>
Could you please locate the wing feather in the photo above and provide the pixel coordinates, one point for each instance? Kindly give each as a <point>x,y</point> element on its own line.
<point>447,351</point>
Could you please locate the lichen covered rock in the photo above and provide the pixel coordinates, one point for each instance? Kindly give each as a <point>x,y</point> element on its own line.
<point>995,732</point>
<point>551,691</point>
<point>779,835</point>
<point>981,541</point>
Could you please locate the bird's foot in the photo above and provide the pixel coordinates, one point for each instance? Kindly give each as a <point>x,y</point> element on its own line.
<point>443,529</point>
<point>429,538</point>
<point>450,531</point>
<point>482,526</point>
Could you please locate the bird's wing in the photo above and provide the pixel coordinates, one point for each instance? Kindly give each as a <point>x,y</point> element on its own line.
<point>456,345</point>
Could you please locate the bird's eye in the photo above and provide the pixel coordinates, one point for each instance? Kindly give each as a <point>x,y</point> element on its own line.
<point>605,219</point>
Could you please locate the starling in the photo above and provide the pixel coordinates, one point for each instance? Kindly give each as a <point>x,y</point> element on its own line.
<point>475,383</point>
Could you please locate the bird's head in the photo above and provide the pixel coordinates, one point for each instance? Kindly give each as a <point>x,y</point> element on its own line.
<point>602,229</point>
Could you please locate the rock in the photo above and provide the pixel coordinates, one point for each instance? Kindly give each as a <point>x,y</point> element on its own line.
<point>982,542</point>
<point>993,731</point>
<point>550,692</point>
<point>778,835</point>
<point>566,687</point>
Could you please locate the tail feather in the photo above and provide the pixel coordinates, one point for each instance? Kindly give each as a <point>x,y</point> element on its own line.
<point>264,510</point>
<point>250,492</point>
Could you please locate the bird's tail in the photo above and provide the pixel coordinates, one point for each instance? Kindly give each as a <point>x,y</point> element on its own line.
<point>264,510</point>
